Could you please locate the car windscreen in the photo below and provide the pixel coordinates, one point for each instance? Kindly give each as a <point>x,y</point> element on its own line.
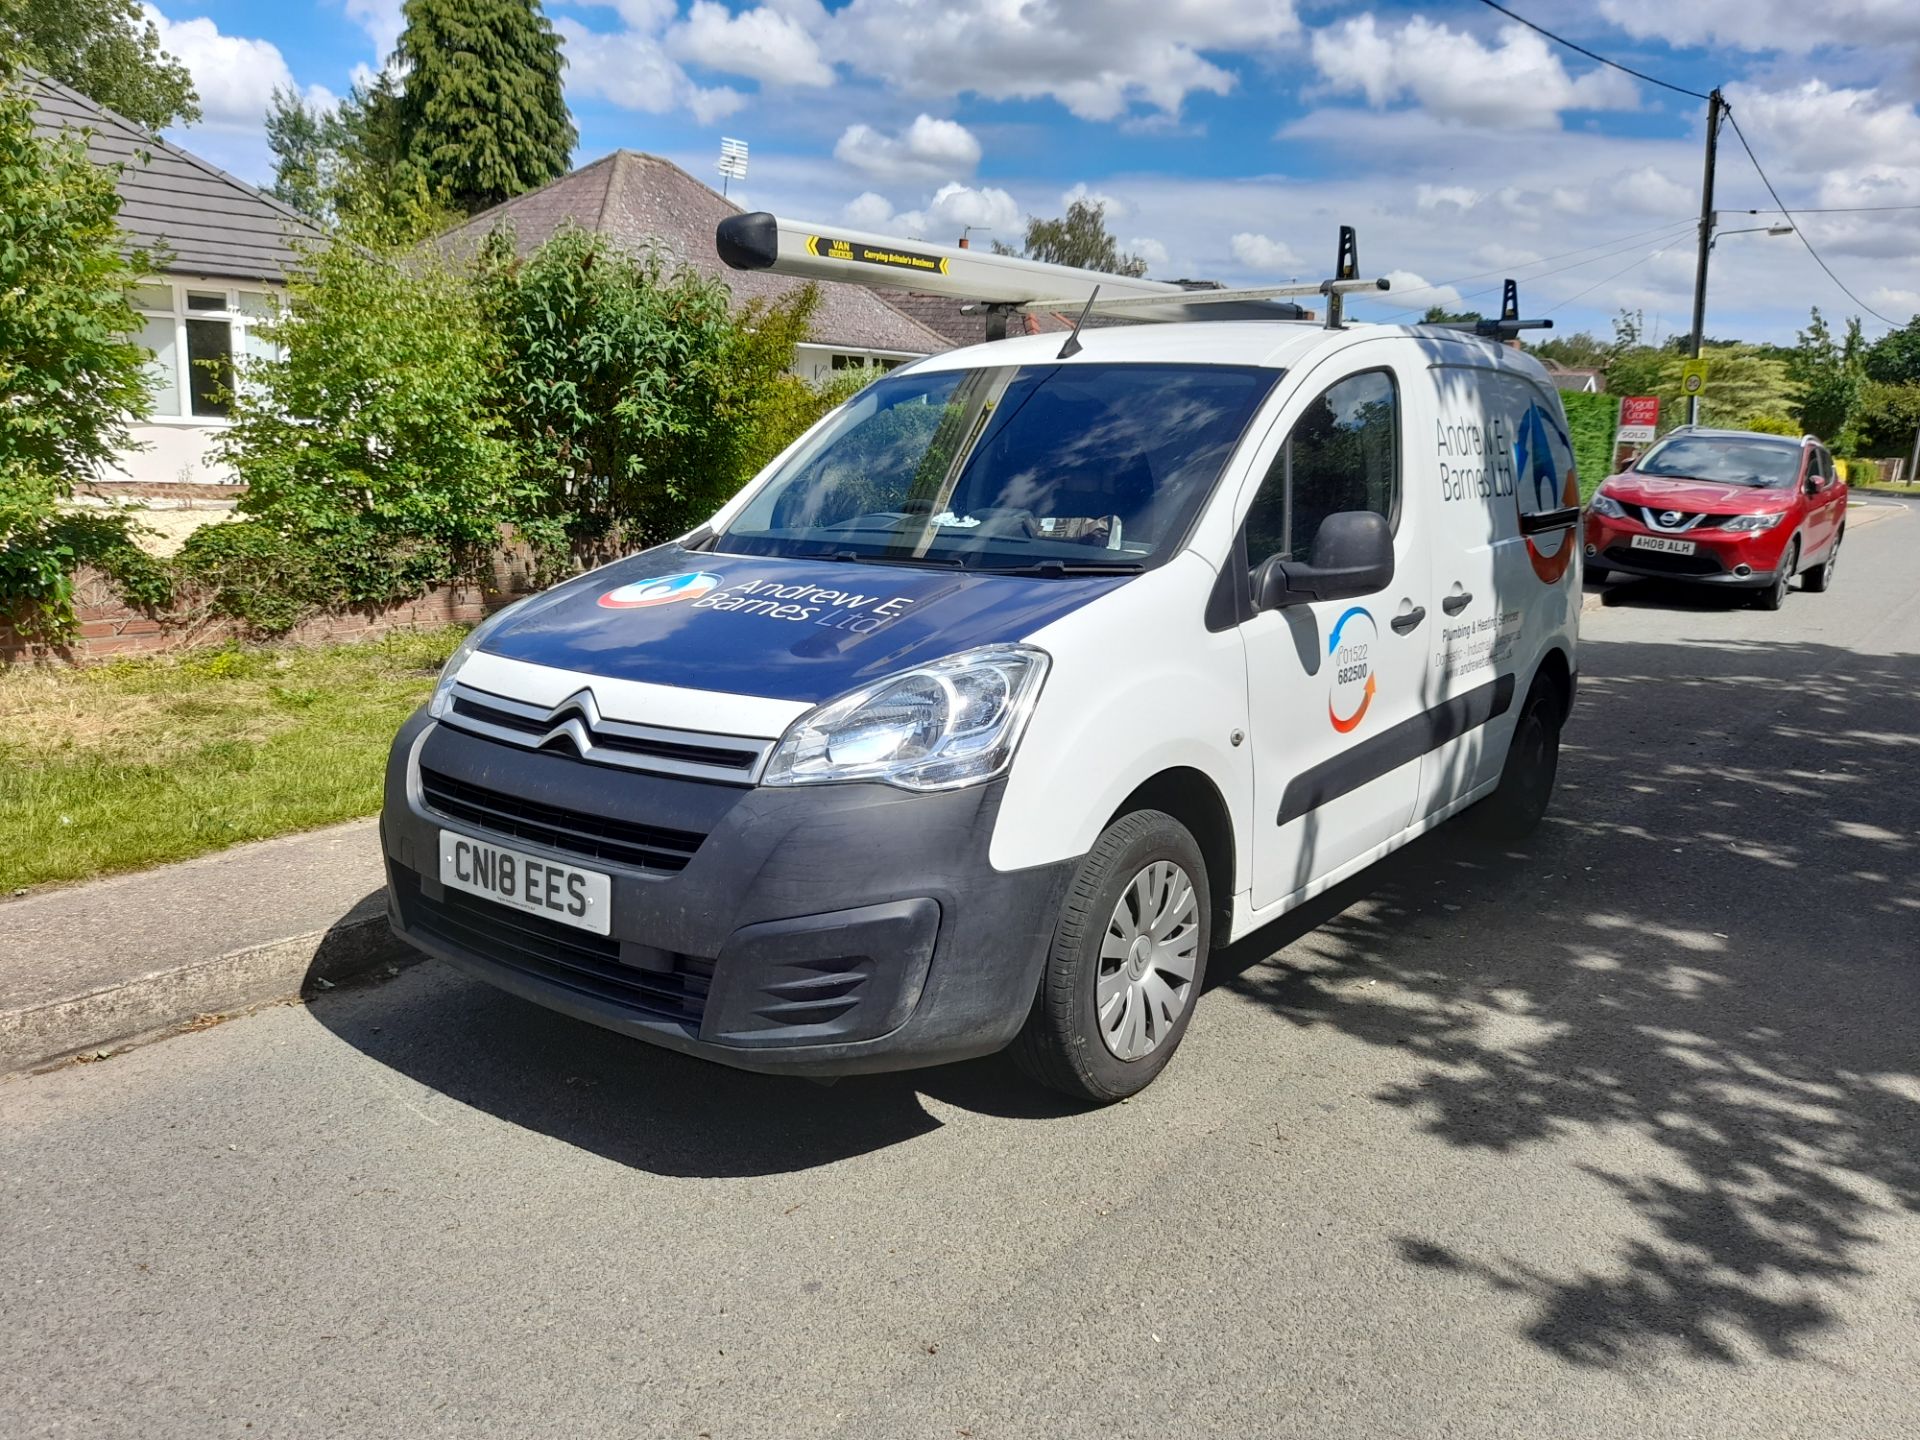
<point>1049,468</point>
<point>1767,464</point>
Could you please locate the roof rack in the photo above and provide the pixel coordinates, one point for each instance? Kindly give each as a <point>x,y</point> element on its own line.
<point>761,241</point>
<point>1507,326</point>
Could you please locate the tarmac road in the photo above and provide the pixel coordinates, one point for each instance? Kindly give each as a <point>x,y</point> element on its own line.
<point>1616,1136</point>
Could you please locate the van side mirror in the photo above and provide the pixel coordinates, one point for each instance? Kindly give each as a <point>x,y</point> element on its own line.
<point>1352,555</point>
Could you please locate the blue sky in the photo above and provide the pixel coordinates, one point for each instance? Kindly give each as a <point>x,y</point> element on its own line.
<point>1231,138</point>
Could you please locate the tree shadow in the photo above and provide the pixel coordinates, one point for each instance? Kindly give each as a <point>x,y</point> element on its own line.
<point>1727,964</point>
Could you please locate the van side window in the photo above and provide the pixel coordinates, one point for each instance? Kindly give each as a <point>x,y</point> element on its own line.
<point>1342,454</point>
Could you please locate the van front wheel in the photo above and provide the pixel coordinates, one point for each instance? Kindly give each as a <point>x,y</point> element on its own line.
<point>1128,958</point>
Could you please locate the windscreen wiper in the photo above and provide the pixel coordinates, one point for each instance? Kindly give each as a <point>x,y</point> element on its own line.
<point>1054,568</point>
<point>855,557</point>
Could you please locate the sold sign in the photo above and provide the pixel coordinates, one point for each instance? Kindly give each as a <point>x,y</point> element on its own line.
<point>1639,419</point>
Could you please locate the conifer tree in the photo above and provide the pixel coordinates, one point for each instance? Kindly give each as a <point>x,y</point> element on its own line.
<point>479,110</point>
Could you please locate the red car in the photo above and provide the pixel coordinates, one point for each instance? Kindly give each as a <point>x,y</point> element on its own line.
<point>1722,507</point>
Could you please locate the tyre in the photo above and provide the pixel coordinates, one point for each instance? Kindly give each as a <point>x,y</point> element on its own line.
<point>1775,595</point>
<point>1820,579</point>
<point>1517,806</point>
<point>1128,957</point>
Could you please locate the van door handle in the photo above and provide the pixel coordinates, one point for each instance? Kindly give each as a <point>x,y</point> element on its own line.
<point>1406,624</point>
<point>1454,604</point>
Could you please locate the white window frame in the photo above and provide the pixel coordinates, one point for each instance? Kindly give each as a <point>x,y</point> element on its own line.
<point>239,322</point>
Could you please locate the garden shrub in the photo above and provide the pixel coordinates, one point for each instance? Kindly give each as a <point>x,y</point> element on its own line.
<point>1590,422</point>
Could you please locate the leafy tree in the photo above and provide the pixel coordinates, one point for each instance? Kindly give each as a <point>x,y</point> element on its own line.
<point>634,389</point>
<point>1579,351</point>
<point>480,112</point>
<point>1440,315</point>
<point>1827,379</point>
<point>108,50</point>
<point>371,443</point>
<point>1894,359</point>
<point>1889,418</point>
<point>306,141</point>
<point>70,379</point>
<point>1741,381</point>
<point>1080,237</point>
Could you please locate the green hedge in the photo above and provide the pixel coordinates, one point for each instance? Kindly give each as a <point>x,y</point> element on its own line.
<point>1590,418</point>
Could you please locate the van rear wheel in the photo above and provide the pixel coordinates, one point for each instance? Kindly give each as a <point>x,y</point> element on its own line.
<point>1128,958</point>
<point>1517,806</point>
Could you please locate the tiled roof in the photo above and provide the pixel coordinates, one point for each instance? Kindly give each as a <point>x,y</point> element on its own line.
<point>636,200</point>
<point>205,221</point>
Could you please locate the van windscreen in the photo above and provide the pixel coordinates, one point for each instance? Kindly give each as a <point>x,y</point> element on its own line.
<point>1052,468</point>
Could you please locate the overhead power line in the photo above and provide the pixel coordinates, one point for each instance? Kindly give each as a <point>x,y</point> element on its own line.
<point>1592,54</point>
<point>1797,230</point>
<point>1607,249</point>
<point>1838,209</point>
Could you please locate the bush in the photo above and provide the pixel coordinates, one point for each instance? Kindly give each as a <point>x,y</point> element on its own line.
<point>1858,471</point>
<point>70,380</point>
<point>1591,421</point>
<point>634,391</point>
<point>372,449</point>
<point>1772,425</point>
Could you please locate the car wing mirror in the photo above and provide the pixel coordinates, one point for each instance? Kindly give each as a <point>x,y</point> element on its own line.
<point>1352,555</point>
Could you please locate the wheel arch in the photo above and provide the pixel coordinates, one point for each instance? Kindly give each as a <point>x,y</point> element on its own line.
<point>1555,671</point>
<point>1191,797</point>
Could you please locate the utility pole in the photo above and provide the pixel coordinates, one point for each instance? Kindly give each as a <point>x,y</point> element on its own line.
<point>1714,105</point>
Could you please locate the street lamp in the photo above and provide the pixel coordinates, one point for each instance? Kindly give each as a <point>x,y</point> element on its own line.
<point>1711,220</point>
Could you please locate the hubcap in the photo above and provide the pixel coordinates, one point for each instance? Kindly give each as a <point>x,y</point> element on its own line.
<point>1147,960</point>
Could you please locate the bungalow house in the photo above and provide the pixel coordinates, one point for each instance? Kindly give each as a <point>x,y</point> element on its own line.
<point>222,252</point>
<point>639,200</point>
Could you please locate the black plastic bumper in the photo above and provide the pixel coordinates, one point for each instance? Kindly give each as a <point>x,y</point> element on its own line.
<point>819,930</point>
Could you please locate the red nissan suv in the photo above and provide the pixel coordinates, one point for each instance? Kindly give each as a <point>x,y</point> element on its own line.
<point>1722,507</point>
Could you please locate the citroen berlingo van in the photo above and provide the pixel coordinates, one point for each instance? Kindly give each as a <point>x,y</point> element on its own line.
<point>1017,686</point>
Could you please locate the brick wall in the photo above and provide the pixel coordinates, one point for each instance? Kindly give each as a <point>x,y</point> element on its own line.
<point>109,626</point>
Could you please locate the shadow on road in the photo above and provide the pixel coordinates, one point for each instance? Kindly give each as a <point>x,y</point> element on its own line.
<point>1728,966</point>
<point>1726,963</point>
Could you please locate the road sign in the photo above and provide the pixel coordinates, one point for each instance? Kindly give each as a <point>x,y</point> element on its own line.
<point>1639,419</point>
<point>1693,377</point>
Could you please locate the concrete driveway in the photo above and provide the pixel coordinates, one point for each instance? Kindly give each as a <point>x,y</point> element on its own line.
<point>1616,1136</point>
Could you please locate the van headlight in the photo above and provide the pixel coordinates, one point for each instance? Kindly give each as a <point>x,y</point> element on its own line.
<point>1604,504</point>
<point>443,687</point>
<point>952,723</point>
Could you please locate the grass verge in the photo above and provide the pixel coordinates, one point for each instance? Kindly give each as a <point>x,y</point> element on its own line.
<point>137,762</point>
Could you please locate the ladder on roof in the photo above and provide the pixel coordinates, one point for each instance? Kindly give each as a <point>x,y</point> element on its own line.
<point>761,241</point>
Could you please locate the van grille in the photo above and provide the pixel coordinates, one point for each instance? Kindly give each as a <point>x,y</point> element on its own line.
<point>574,960</point>
<point>592,837</point>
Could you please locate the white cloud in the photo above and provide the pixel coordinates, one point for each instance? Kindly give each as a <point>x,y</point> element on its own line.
<point>928,149</point>
<point>632,70</point>
<point>1099,58</point>
<point>1768,25</point>
<point>1411,289</point>
<point>761,43</point>
<point>1647,191</point>
<point>954,209</point>
<point>382,21</point>
<point>868,211</point>
<point>236,76</point>
<point>1504,255</point>
<point>1112,206</point>
<point>1257,252</point>
<point>1149,250</point>
<point>1451,197</point>
<point>1516,81</point>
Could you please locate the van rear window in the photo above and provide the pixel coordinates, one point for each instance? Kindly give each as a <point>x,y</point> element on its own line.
<point>1048,468</point>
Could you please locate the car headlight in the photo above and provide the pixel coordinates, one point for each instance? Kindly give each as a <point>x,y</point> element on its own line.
<point>443,687</point>
<point>1765,521</point>
<point>952,723</point>
<point>1604,504</point>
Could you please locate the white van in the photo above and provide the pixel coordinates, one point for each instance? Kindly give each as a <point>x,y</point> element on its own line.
<point>1010,691</point>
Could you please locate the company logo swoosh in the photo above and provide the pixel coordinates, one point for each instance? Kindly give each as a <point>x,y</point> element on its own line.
<point>1333,637</point>
<point>1353,720</point>
<point>660,590</point>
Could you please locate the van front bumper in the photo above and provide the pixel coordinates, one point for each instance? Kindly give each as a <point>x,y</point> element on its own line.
<point>824,930</point>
